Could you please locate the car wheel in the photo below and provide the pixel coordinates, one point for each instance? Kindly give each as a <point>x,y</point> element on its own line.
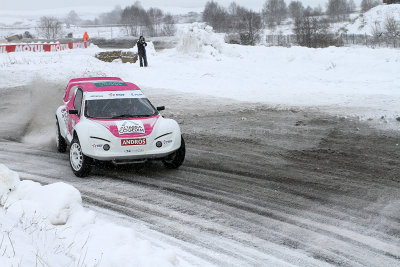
<point>176,159</point>
<point>60,141</point>
<point>81,165</point>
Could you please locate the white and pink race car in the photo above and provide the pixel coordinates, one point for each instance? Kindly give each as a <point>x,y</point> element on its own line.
<point>107,119</point>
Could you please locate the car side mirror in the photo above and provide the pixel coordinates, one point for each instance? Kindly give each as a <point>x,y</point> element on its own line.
<point>73,111</point>
<point>161,108</point>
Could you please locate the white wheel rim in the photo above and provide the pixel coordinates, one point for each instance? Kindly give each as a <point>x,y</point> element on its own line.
<point>76,156</point>
<point>57,136</point>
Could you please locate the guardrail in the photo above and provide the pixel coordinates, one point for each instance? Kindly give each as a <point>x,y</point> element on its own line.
<point>32,47</point>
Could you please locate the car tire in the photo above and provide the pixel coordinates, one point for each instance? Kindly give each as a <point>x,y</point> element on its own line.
<point>175,160</point>
<point>81,165</point>
<point>60,141</point>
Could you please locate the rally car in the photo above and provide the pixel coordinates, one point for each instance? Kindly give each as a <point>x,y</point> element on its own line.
<point>107,119</point>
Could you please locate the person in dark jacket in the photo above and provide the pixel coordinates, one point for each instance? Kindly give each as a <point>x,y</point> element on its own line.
<point>141,45</point>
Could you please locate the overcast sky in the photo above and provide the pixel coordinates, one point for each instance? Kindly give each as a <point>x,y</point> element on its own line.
<point>184,4</point>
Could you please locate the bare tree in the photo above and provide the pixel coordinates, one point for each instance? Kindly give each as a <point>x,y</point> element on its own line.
<point>216,16</point>
<point>391,29</point>
<point>252,25</point>
<point>234,18</point>
<point>351,6</point>
<point>338,10</point>
<point>308,11</point>
<point>296,9</point>
<point>72,18</point>
<point>113,17</point>
<point>274,12</point>
<point>169,28</point>
<point>50,27</point>
<point>376,32</point>
<point>318,11</point>
<point>313,32</point>
<point>137,19</point>
<point>368,4</point>
<point>156,16</point>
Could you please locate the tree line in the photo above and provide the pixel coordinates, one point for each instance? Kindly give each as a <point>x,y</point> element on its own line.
<point>136,20</point>
<point>311,25</point>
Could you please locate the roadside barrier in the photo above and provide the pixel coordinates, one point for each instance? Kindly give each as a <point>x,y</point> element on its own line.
<point>52,47</point>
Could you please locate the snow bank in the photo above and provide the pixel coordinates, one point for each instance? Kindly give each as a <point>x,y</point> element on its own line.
<point>199,38</point>
<point>47,226</point>
<point>8,181</point>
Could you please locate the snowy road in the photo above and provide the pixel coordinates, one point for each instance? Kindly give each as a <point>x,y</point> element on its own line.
<point>259,187</point>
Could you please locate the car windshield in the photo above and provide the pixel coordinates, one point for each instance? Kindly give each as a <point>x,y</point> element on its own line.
<point>119,108</point>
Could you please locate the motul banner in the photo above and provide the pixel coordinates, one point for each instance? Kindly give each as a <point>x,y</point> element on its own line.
<point>41,47</point>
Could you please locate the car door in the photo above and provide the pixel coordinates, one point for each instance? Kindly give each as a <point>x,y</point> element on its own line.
<point>74,104</point>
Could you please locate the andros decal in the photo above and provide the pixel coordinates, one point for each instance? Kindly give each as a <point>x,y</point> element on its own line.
<point>133,142</point>
<point>127,127</point>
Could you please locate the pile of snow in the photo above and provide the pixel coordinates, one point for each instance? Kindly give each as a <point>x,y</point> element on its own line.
<point>199,38</point>
<point>8,181</point>
<point>374,17</point>
<point>47,226</point>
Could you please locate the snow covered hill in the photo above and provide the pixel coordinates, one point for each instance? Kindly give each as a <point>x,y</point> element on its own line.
<point>364,23</point>
<point>359,23</point>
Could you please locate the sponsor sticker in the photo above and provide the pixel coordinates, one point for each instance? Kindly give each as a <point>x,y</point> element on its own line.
<point>133,150</point>
<point>167,142</point>
<point>114,94</point>
<point>97,145</point>
<point>103,84</point>
<point>127,127</point>
<point>133,142</point>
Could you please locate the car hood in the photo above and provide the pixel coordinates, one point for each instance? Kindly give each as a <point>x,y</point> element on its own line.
<point>122,128</point>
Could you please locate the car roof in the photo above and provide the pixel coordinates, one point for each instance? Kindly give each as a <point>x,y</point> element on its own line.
<point>92,79</point>
<point>99,84</point>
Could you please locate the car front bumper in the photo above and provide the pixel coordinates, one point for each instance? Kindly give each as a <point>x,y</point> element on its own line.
<point>118,152</point>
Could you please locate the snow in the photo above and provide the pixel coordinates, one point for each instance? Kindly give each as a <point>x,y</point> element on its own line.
<point>199,38</point>
<point>354,81</point>
<point>8,181</point>
<point>375,16</point>
<point>47,225</point>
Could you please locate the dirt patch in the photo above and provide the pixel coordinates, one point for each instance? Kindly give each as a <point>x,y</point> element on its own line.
<point>110,56</point>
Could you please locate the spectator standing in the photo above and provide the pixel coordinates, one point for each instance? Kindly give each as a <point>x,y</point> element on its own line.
<point>85,37</point>
<point>141,45</point>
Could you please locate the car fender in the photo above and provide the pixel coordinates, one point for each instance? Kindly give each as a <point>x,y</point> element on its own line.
<point>165,126</point>
<point>62,118</point>
<point>87,131</point>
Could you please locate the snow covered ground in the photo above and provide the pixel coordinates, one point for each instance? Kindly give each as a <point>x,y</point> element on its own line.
<point>48,226</point>
<point>346,81</point>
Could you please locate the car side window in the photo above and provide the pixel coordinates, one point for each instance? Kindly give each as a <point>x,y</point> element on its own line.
<point>78,101</point>
<point>71,93</point>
